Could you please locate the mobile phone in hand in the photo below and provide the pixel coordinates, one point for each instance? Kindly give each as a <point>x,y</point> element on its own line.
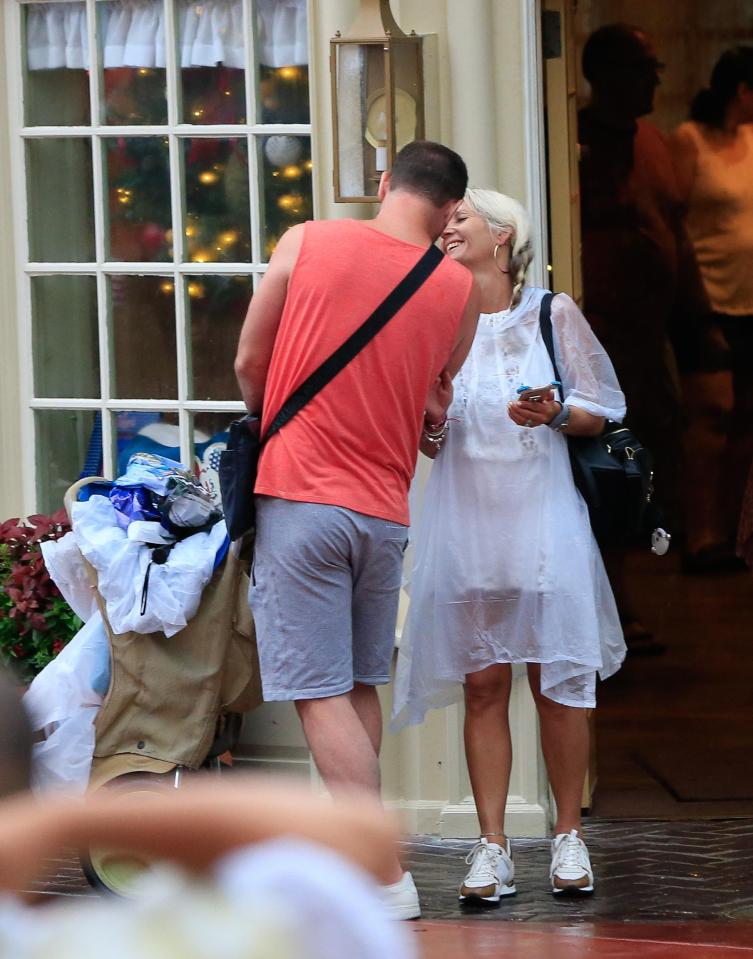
<point>535,394</point>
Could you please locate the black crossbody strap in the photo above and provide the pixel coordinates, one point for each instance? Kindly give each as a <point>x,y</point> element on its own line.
<point>405,289</point>
<point>545,323</point>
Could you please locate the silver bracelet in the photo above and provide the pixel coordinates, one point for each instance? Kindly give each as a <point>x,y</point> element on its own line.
<point>561,420</point>
<point>437,438</point>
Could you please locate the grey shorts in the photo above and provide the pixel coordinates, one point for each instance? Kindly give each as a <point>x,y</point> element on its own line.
<point>324,592</point>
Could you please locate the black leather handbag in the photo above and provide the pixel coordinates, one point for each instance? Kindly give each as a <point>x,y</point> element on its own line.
<point>612,471</point>
<point>240,460</point>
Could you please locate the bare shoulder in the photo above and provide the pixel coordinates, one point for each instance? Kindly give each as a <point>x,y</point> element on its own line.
<point>683,138</point>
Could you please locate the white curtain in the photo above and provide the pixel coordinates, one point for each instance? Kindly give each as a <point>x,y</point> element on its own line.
<point>210,32</point>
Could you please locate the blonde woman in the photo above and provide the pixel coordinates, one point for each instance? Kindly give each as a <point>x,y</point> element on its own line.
<point>507,570</point>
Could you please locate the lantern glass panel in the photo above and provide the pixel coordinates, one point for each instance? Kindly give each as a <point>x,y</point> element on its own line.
<point>361,130</point>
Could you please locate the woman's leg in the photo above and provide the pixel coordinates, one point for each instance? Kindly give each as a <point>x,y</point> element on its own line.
<point>565,743</point>
<point>488,746</point>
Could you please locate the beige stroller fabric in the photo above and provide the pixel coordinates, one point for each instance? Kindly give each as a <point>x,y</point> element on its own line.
<point>166,695</point>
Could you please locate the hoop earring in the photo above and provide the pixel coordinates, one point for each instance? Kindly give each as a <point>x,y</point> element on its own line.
<point>494,256</point>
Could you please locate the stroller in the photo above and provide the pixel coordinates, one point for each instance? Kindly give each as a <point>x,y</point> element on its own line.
<point>174,705</point>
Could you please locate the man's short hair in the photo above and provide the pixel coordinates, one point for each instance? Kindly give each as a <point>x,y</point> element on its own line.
<point>607,50</point>
<point>15,740</point>
<point>431,170</point>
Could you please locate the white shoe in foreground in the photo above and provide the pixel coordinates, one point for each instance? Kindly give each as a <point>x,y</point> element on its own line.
<point>401,899</point>
<point>571,872</point>
<point>491,875</point>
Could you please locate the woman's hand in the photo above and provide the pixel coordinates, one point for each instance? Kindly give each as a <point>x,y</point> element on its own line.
<point>439,398</point>
<point>537,413</point>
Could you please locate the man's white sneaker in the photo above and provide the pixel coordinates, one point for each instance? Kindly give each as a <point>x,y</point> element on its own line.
<point>571,872</point>
<point>491,875</point>
<point>401,899</point>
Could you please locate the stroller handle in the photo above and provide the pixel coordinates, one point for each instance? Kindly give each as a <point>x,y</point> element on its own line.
<point>71,494</point>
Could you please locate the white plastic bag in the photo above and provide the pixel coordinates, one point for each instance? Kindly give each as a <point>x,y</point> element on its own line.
<point>63,701</point>
<point>65,564</point>
<point>175,587</point>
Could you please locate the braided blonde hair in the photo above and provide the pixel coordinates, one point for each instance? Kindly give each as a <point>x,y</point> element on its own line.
<point>502,212</point>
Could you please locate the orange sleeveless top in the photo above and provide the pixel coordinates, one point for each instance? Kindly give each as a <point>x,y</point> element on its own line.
<point>355,444</point>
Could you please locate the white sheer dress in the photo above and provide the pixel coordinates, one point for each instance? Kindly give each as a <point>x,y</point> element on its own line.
<point>506,568</point>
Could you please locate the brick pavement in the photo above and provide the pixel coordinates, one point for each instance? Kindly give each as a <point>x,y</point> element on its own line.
<point>645,871</point>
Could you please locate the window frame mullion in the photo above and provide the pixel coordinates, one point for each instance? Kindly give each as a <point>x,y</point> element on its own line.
<point>101,225</point>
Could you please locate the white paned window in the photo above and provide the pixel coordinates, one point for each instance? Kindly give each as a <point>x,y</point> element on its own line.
<point>162,148</point>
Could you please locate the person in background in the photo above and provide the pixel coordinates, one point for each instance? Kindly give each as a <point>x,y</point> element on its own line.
<point>332,486</point>
<point>266,868</point>
<point>507,569</point>
<point>713,153</point>
<point>641,285</point>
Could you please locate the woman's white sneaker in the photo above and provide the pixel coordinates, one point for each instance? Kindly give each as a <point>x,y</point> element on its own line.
<point>401,899</point>
<point>492,873</point>
<point>571,872</point>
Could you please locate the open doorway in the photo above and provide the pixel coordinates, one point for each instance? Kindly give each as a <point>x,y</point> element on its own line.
<point>674,729</point>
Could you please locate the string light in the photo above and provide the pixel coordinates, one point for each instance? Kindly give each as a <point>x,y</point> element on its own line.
<point>292,172</point>
<point>288,73</point>
<point>288,201</point>
<point>198,112</point>
<point>208,177</point>
<point>203,256</point>
<point>228,238</point>
<point>190,230</point>
<point>167,287</point>
<point>308,166</point>
<point>144,72</point>
<point>196,290</point>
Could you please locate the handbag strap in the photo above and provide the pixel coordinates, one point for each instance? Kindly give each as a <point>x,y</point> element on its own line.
<point>547,335</point>
<point>392,303</point>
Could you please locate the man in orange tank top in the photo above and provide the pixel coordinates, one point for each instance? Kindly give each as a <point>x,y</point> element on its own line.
<point>332,486</point>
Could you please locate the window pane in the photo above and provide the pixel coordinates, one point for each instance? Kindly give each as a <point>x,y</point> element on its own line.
<point>131,42</point>
<point>60,199</point>
<point>281,34</point>
<point>144,432</point>
<point>283,94</point>
<point>217,205</point>
<point>285,164</point>
<point>63,440</point>
<point>216,307</point>
<point>135,95</point>
<point>65,339</point>
<point>210,438</point>
<point>213,94</point>
<point>143,332</point>
<point>56,82</point>
<point>138,184</point>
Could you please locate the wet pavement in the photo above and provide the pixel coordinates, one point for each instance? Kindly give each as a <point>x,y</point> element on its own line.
<point>645,871</point>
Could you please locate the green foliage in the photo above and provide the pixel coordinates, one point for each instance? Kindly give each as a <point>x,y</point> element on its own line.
<point>35,621</point>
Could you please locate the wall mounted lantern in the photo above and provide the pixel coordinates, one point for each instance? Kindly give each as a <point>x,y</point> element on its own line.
<point>377,99</point>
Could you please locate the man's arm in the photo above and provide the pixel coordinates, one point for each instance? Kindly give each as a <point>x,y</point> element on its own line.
<point>440,393</point>
<point>466,331</point>
<point>262,321</point>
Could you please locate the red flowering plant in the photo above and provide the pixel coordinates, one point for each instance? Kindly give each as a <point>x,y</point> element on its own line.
<point>35,620</point>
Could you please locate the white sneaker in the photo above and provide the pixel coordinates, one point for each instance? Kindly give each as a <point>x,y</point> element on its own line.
<point>571,871</point>
<point>401,899</point>
<point>492,873</point>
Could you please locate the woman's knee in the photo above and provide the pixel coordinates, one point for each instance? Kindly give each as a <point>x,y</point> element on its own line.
<point>487,688</point>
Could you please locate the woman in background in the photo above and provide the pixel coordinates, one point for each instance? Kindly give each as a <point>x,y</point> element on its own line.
<point>713,153</point>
